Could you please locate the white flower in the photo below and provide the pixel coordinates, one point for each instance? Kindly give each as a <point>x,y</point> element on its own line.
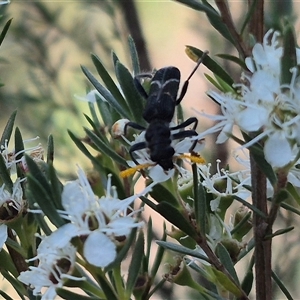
<point>224,184</point>
<point>266,56</point>
<point>101,221</point>
<point>11,205</point>
<point>55,265</point>
<point>263,105</point>
<point>11,158</point>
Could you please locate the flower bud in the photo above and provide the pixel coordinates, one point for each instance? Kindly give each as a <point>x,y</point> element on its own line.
<point>242,223</point>
<point>118,128</point>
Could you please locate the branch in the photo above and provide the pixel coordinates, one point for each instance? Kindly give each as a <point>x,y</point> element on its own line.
<point>227,19</point>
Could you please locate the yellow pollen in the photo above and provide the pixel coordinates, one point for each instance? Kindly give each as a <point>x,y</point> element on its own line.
<point>193,158</point>
<point>131,171</point>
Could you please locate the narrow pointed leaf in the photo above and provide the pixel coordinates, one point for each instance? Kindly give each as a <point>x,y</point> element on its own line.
<point>159,255</point>
<point>134,56</point>
<point>174,216</point>
<point>108,81</point>
<point>282,286</point>
<point>227,283</point>
<point>85,151</point>
<point>195,54</point>
<point>17,285</point>
<point>36,173</point>
<point>66,294</point>
<point>42,198</point>
<point>4,30</point>
<point>234,59</point>
<point>8,129</point>
<point>182,250</point>
<point>104,148</point>
<point>226,261</point>
<point>50,149</point>
<point>107,289</point>
<point>134,99</point>
<point>248,282</point>
<point>212,15</point>
<point>160,194</point>
<point>4,174</point>
<point>136,263</point>
<point>56,187</point>
<point>202,209</point>
<point>250,206</point>
<point>289,58</point>
<point>121,108</point>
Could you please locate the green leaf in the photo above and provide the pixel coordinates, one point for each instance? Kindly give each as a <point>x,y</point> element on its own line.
<point>134,100</point>
<point>7,263</point>
<point>107,80</point>
<point>234,59</point>
<point>5,176</point>
<point>282,286</point>
<point>104,148</point>
<point>159,255</point>
<point>258,155</point>
<point>250,206</point>
<point>293,192</point>
<point>107,289</point>
<point>135,264</point>
<point>213,16</point>
<point>85,151</point>
<point>17,285</point>
<point>66,294</point>
<point>264,166</point>
<point>134,56</point>
<point>40,192</point>
<point>8,129</point>
<point>19,150</point>
<point>120,107</point>
<point>279,232</point>
<point>200,203</point>
<point>182,250</point>
<point>214,82</point>
<point>43,199</point>
<point>173,215</point>
<point>108,114</point>
<point>19,145</point>
<point>289,58</point>
<point>4,31</point>
<point>50,149</point>
<point>160,194</point>
<point>212,65</point>
<point>56,187</point>
<point>5,296</point>
<point>227,283</point>
<point>248,282</point>
<point>226,261</point>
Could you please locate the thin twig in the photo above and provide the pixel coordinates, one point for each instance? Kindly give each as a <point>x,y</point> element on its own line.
<point>227,19</point>
<point>134,27</point>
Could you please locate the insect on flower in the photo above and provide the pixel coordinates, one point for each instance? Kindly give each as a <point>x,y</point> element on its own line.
<point>161,102</point>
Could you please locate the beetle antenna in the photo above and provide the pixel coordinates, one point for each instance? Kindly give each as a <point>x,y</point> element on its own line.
<point>198,64</point>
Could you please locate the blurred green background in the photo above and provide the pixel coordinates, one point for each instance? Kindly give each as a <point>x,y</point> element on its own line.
<point>47,42</point>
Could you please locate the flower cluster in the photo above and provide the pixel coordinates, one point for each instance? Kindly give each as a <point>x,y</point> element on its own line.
<point>263,105</point>
<point>12,202</point>
<point>55,265</point>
